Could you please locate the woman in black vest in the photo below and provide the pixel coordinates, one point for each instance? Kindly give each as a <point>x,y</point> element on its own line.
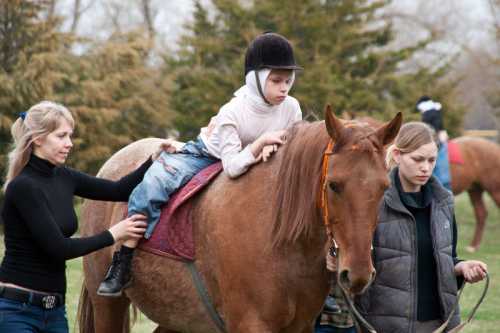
<point>39,220</point>
<point>414,246</point>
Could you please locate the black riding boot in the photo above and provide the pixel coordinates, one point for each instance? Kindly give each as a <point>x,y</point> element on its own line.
<point>118,276</point>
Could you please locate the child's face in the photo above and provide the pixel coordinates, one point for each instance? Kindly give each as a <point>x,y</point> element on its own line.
<point>278,84</point>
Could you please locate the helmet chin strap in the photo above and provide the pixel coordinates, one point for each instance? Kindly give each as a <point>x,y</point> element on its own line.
<point>259,87</point>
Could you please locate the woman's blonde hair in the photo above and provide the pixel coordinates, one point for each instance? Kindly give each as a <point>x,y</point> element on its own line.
<point>40,120</point>
<point>411,136</point>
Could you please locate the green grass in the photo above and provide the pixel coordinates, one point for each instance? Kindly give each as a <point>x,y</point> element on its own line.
<point>487,318</point>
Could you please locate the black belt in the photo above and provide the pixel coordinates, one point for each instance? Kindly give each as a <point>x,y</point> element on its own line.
<point>45,301</point>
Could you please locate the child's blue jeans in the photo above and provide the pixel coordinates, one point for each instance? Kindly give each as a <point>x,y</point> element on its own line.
<point>442,168</point>
<point>165,176</point>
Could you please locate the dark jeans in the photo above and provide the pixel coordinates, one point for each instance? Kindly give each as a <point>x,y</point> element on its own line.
<point>26,318</point>
<point>330,329</point>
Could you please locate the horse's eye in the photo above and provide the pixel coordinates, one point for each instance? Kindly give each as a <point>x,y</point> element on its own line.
<point>334,186</point>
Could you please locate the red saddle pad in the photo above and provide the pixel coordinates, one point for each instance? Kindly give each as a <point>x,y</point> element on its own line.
<point>173,235</point>
<point>454,153</point>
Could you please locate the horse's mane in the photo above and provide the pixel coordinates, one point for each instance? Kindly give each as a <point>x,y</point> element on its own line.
<point>295,202</point>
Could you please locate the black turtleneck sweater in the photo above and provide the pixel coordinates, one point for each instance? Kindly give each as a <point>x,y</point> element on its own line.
<point>39,221</point>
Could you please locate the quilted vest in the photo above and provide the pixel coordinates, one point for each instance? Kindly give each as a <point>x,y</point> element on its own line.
<point>390,303</point>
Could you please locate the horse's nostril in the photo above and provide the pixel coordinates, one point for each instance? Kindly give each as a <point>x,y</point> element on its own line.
<point>344,278</point>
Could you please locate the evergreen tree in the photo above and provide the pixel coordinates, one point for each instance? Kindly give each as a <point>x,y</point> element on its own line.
<point>343,45</point>
<point>206,70</point>
<point>117,98</point>
<point>116,94</point>
<point>30,62</point>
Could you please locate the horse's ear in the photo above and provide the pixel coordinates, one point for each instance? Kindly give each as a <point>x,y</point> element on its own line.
<point>333,125</point>
<point>388,132</point>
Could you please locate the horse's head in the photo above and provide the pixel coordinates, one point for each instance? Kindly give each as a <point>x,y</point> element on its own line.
<point>355,178</point>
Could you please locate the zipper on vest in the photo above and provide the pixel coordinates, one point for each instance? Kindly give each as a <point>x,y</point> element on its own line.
<point>414,304</point>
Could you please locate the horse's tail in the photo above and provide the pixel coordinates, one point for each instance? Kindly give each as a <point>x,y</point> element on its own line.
<point>85,315</point>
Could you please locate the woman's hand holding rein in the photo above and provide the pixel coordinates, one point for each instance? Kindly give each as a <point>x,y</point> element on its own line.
<point>472,270</point>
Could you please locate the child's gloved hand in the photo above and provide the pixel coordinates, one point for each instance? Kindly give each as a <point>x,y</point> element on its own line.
<point>170,146</point>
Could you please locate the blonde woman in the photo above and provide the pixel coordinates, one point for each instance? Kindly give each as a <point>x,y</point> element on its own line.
<point>39,220</point>
<point>414,247</point>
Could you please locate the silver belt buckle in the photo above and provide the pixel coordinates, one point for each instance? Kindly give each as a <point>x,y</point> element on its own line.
<point>49,302</point>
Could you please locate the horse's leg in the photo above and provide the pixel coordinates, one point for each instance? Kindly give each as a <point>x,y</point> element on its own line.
<point>495,195</point>
<point>480,211</point>
<point>98,315</point>
<point>110,314</point>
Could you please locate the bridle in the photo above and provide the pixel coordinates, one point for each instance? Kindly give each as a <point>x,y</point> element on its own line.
<point>334,249</point>
<point>322,195</point>
<point>323,204</point>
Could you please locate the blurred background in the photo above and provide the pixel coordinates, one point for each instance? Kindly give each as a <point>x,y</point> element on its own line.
<point>129,69</point>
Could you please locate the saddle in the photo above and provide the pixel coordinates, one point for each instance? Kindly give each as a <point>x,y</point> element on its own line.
<point>454,153</point>
<point>173,235</point>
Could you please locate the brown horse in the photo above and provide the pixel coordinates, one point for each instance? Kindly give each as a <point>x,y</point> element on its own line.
<point>260,239</point>
<point>479,173</point>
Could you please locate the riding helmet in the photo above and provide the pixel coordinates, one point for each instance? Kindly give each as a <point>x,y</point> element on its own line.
<point>270,50</point>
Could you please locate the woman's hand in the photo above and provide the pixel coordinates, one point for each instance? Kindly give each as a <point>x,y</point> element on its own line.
<point>472,270</point>
<point>132,228</point>
<point>170,146</point>
<point>267,139</point>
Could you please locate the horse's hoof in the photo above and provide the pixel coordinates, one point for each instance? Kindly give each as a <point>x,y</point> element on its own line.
<point>471,249</point>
